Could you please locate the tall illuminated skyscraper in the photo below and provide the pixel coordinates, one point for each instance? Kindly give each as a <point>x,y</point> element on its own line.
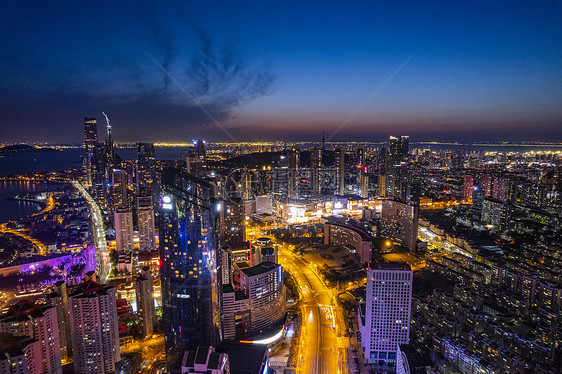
<point>387,312</point>
<point>94,330</point>
<point>90,141</point>
<point>397,167</point>
<point>144,290</point>
<point>145,223</point>
<point>191,263</point>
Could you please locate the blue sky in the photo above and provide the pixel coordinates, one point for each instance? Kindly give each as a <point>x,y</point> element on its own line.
<point>282,70</point>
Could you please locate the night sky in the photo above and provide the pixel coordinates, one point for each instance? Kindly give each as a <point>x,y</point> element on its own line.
<point>241,70</point>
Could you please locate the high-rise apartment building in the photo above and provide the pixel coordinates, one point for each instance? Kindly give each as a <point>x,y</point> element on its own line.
<point>486,184</point>
<point>124,230</point>
<point>468,188</point>
<point>191,263</point>
<point>20,354</point>
<point>59,299</point>
<point>144,289</point>
<point>387,312</point>
<point>40,322</point>
<point>145,223</point>
<point>94,329</point>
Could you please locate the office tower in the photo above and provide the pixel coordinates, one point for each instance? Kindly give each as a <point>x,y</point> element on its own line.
<point>146,152</point>
<point>109,149</point>
<point>20,354</point>
<point>59,299</point>
<point>39,322</point>
<point>486,184</point>
<point>387,312</point>
<point>144,289</point>
<point>197,159</point>
<point>99,189</point>
<point>400,223</point>
<point>340,168</point>
<point>90,140</point>
<point>144,168</point>
<point>94,329</point>
<point>226,266</point>
<point>191,263</point>
<point>397,167</point>
<point>145,223</point>
<point>124,230</point>
<point>468,188</point>
<point>119,189</point>
<point>233,225</point>
<point>263,285</point>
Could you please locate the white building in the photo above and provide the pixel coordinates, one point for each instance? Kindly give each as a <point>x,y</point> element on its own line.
<point>387,315</point>
<point>144,289</point>
<point>205,361</point>
<point>94,328</point>
<point>263,285</point>
<point>124,230</point>
<point>39,322</point>
<point>145,218</point>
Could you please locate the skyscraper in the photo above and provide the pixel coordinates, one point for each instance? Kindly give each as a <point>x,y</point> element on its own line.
<point>468,188</point>
<point>400,223</point>
<point>144,289</point>
<point>191,262</point>
<point>27,318</point>
<point>94,330</point>
<point>233,228</point>
<point>144,168</point>
<point>340,167</point>
<point>387,314</point>
<point>124,230</point>
<point>397,167</point>
<point>197,159</point>
<point>90,141</point>
<point>145,223</point>
<point>119,189</point>
<point>59,299</point>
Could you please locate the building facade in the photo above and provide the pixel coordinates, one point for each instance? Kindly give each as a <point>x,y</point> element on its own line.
<point>387,314</point>
<point>263,285</point>
<point>191,263</point>
<point>94,329</point>
<point>400,222</point>
<point>39,322</point>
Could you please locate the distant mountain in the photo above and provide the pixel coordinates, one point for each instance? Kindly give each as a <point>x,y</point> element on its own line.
<point>9,149</point>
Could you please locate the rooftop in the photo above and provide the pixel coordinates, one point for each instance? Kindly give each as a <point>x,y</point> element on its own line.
<point>262,268</point>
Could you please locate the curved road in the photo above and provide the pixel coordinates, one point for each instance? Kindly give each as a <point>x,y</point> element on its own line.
<point>98,232</point>
<point>319,353</point>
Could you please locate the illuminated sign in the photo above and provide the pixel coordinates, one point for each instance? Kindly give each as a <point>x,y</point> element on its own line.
<point>167,202</point>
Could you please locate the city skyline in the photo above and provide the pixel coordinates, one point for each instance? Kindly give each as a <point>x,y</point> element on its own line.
<point>227,72</point>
